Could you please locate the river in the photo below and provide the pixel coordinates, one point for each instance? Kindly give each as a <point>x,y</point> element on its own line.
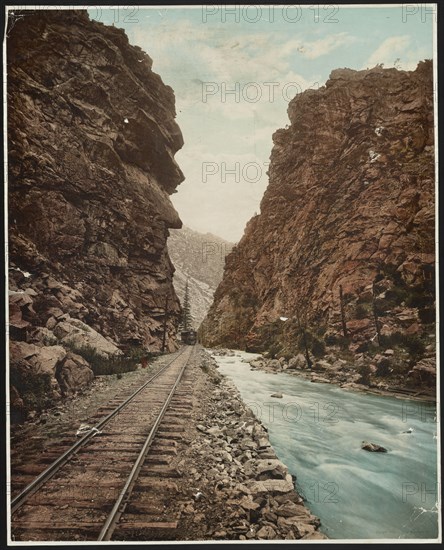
<point>317,430</point>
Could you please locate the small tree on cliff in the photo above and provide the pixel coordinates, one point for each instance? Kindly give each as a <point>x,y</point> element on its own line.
<point>303,336</point>
<point>187,319</point>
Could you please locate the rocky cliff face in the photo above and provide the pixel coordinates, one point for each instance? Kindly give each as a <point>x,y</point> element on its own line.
<point>91,144</point>
<point>349,208</point>
<point>199,259</point>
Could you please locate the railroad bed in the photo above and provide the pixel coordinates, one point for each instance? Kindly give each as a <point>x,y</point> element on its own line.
<point>116,483</point>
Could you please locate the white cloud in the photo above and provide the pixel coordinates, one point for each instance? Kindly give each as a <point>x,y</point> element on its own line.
<point>326,45</point>
<point>389,51</point>
<point>223,189</point>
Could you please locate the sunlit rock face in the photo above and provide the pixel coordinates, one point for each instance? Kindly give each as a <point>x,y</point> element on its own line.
<point>198,260</point>
<point>350,202</point>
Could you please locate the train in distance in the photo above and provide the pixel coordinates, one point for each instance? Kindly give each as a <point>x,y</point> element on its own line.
<point>188,337</point>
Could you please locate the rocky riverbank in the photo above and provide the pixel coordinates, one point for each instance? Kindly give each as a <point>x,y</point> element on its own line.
<point>248,493</point>
<point>371,374</point>
<point>230,484</point>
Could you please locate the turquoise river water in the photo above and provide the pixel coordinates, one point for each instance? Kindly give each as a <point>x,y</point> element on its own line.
<point>317,431</point>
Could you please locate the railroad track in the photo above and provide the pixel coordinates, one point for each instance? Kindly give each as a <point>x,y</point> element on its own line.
<point>117,480</point>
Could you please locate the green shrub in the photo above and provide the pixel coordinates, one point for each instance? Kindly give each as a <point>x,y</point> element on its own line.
<point>270,334</point>
<point>395,296</point>
<point>343,342</point>
<point>317,347</point>
<point>113,364</point>
<point>416,298</point>
<point>35,390</point>
<point>390,340</point>
<point>413,344</point>
<point>361,311</point>
<point>274,350</point>
<point>364,371</point>
<point>427,315</point>
<point>331,339</point>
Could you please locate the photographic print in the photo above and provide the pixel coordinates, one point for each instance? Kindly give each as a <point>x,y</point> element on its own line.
<point>221,274</point>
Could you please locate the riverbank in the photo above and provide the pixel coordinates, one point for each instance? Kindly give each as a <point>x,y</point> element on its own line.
<point>336,371</point>
<point>230,484</point>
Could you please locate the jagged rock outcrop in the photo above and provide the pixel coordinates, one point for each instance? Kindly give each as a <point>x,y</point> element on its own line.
<point>350,203</point>
<point>198,258</point>
<point>91,144</point>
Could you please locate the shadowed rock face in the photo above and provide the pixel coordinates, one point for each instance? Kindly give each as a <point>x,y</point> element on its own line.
<point>91,144</point>
<point>350,202</point>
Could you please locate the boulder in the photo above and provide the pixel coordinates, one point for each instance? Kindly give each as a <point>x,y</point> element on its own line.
<point>266,532</point>
<point>290,509</point>
<point>322,365</point>
<point>423,373</point>
<point>297,362</point>
<point>338,364</point>
<point>41,359</point>
<point>265,469</point>
<point>47,359</point>
<point>316,378</point>
<point>414,328</point>
<point>247,503</point>
<point>77,334</point>
<point>42,336</point>
<point>74,374</point>
<point>270,486</point>
<point>29,360</point>
<point>16,317</point>
<point>373,447</point>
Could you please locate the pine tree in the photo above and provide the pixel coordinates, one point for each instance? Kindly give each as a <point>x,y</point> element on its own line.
<point>187,319</point>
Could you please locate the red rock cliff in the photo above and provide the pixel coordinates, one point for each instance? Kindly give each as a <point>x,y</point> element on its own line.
<point>350,203</point>
<point>91,144</point>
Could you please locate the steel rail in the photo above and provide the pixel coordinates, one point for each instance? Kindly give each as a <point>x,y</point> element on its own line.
<point>53,468</point>
<point>124,496</point>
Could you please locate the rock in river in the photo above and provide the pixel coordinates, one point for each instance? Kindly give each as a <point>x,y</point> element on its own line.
<point>373,447</point>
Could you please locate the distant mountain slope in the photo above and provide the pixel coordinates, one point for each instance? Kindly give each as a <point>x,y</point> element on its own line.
<point>200,258</point>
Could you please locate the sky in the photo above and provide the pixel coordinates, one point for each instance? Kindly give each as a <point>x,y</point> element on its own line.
<point>234,70</point>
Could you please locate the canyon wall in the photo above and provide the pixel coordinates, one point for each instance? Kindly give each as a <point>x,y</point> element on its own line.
<point>91,143</point>
<point>198,258</point>
<point>349,208</point>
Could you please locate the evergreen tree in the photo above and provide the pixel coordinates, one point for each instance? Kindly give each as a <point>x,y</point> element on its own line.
<point>187,319</point>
